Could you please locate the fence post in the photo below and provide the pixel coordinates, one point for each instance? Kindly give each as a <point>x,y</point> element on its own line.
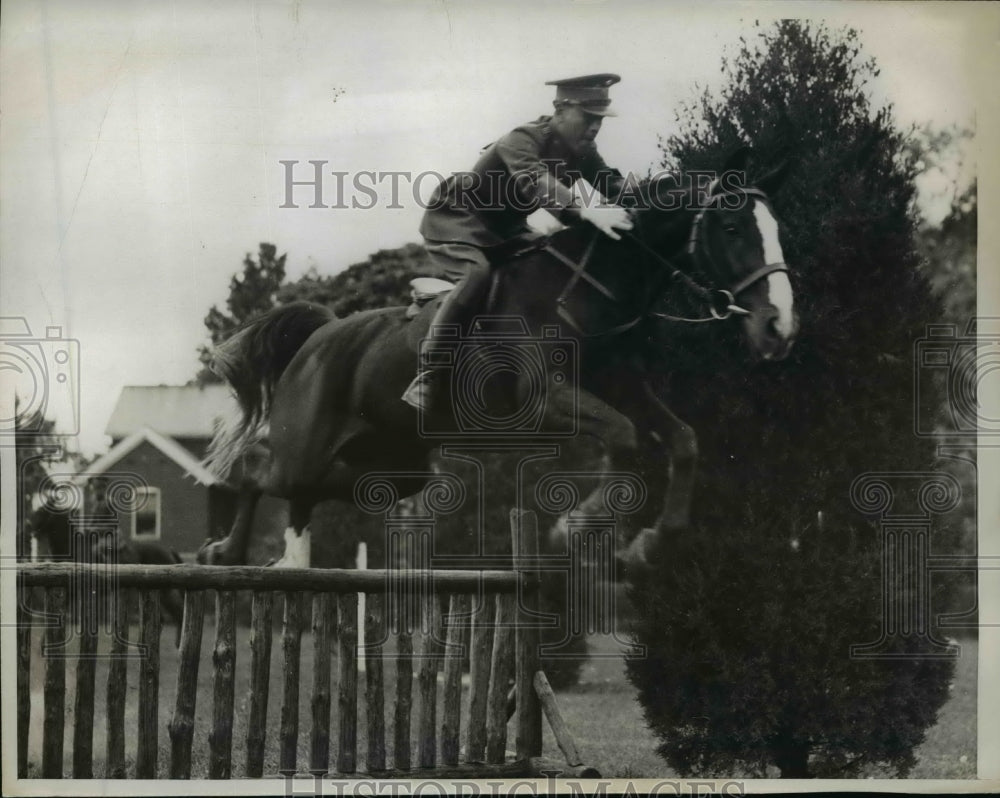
<point>524,534</point>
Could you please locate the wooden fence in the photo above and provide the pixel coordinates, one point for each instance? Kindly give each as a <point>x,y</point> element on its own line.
<point>486,622</point>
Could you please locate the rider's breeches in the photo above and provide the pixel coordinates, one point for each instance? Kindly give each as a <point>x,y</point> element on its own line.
<point>469,268</point>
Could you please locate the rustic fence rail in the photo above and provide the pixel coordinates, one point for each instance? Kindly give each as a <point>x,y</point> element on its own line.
<point>484,623</point>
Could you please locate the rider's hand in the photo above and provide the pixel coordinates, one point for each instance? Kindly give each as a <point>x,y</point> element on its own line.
<point>607,219</point>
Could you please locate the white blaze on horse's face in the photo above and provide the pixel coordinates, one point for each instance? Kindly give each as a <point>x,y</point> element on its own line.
<point>779,288</point>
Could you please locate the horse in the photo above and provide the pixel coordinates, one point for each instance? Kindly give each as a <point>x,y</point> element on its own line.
<point>320,396</point>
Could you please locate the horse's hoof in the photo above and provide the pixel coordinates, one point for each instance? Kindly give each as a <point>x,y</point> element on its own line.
<point>212,553</point>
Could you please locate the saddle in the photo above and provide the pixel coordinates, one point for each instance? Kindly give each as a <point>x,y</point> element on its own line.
<point>426,292</point>
<point>426,289</point>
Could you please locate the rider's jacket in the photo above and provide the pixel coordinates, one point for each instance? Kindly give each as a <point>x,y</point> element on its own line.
<point>527,169</point>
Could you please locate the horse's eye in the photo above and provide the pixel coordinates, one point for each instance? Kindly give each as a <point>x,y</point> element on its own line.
<point>731,230</point>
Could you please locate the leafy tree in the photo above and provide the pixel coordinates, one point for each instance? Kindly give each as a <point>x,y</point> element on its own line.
<point>381,281</point>
<point>750,623</point>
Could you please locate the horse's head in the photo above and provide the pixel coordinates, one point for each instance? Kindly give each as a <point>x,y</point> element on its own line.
<point>737,236</point>
<point>737,260</point>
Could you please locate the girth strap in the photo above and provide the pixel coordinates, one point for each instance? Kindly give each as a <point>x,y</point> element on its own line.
<point>580,271</point>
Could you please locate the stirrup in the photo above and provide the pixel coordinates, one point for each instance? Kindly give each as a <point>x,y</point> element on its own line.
<point>419,395</point>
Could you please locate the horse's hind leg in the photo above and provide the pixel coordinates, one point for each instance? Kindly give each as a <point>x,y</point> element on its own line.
<point>232,550</point>
<point>683,455</point>
<point>298,537</point>
<point>595,418</point>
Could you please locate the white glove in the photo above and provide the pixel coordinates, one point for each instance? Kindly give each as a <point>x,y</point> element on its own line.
<point>607,219</point>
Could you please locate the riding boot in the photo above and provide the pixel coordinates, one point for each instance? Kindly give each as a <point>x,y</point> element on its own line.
<point>457,307</point>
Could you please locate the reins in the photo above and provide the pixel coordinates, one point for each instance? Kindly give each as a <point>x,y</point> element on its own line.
<point>721,302</point>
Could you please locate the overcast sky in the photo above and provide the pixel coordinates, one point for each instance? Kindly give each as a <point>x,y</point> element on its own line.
<point>141,142</point>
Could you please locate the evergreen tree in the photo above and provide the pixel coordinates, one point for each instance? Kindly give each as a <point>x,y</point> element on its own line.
<point>750,619</point>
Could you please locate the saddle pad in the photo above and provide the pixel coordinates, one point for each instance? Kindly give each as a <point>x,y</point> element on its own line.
<point>423,290</point>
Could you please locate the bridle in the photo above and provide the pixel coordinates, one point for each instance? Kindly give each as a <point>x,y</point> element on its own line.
<point>721,302</point>
<point>727,295</point>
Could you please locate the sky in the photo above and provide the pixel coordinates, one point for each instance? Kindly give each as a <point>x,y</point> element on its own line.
<point>141,143</point>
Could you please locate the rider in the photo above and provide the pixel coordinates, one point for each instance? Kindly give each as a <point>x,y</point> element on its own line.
<point>529,168</point>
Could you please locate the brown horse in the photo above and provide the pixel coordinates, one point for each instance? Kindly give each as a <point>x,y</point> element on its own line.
<point>564,351</point>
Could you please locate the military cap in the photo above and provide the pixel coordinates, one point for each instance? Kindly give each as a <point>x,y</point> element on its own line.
<point>590,92</point>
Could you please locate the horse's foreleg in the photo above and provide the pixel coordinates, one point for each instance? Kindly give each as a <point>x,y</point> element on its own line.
<point>232,550</point>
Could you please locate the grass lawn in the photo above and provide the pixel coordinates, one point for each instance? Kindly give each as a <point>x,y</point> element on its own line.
<point>601,711</point>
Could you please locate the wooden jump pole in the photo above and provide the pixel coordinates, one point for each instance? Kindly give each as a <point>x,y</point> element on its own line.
<point>524,535</point>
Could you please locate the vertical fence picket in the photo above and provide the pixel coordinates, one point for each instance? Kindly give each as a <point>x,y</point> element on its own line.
<point>291,646</point>
<point>83,704</point>
<point>524,531</point>
<point>404,697</point>
<point>319,750</point>
<point>147,747</point>
<point>220,740</point>
<point>375,681</point>
<point>501,672</point>
<point>55,684</point>
<point>480,649</point>
<point>260,678</point>
<point>347,754</point>
<point>451,724</point>
<point>430,661</point>
<point>23,677</point>
<point>181,726</point>
<point>117,683</point>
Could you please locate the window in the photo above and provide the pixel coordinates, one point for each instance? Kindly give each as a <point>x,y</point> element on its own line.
<point>146,513</point>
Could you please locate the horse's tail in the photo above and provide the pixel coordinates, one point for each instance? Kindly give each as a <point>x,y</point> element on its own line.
<point>252,361</point>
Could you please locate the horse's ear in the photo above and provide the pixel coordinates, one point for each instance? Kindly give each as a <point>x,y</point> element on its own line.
<point>771,181</point>
<point>737,160</point>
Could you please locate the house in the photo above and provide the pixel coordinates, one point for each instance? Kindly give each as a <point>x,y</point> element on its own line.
<point>159,435</point>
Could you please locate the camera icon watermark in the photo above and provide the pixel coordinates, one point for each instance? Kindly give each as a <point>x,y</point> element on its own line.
<point>45,374</point>
<point>501,381</point>
<point>956,368</point>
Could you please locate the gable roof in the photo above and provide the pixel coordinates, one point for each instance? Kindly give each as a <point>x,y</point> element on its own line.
<point>173,450</point>
<point>177,411</point>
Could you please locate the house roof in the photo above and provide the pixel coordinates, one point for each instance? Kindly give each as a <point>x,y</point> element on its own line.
<point>181,456</point>
<point>177,411</point>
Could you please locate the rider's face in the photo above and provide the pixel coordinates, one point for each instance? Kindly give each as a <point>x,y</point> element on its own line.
<point>576,128</point>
